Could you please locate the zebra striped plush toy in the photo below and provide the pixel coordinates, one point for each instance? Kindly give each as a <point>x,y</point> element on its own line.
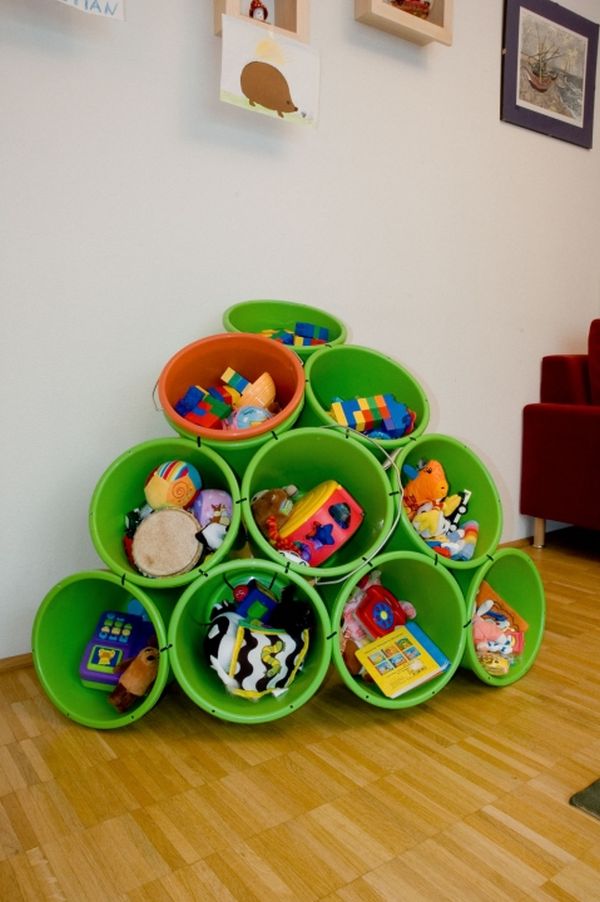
<point>254,659</point>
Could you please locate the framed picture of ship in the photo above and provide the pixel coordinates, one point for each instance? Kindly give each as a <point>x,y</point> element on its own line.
<point>549,70</point>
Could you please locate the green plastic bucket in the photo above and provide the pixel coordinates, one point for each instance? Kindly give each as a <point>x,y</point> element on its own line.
<point>305,458</point>
<point>256,316</point>
<point>440,613</point>
<point>514,576</point>
<point>464,470</point>
<point>189,626</point>
<point>204,361</point>
<point>349,371</point>
<point>63,625</point>
<point>121,489</point>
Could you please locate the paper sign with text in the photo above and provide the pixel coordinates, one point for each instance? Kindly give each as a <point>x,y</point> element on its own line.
<point>109,9</point>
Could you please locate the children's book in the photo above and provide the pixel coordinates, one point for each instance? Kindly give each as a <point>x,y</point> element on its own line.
<point>402,659</point>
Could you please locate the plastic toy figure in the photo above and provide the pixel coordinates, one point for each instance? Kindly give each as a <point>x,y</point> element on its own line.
<point>258,11</point>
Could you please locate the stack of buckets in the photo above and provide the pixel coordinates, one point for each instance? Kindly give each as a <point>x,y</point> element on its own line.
<point>299,446</point>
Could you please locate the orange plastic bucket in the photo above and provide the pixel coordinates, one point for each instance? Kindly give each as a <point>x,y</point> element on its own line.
<point>204,361</point>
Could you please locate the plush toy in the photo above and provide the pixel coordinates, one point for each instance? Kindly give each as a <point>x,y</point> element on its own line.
<point>250,659</point>
<point>435,515</point>
<point>174,483</point>
<point>498,630</point>
<point>427,484</point>
<point>136,679</point>
<point>213,510</point>
<point>276,503</point>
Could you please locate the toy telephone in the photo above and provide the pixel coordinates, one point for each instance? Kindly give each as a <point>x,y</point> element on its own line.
<point>117,638</point>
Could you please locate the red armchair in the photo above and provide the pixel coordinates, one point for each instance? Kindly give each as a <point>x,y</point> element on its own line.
<point>560,461</point>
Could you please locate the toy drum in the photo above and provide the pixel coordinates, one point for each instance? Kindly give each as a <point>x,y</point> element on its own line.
<point>165,543</point>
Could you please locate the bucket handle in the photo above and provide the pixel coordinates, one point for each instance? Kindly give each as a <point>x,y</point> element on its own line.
<point>156,406</point>
<point>390,463</point>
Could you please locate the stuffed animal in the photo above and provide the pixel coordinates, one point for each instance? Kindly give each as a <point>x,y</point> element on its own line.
<point>213,511</point>
<point>251,659</point>
<point>275,503</point>
<point>136,679</point>
<point>427,483</point>
<point>435,515</point>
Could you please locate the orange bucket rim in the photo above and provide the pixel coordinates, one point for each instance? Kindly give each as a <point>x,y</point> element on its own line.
<point>232,435</point>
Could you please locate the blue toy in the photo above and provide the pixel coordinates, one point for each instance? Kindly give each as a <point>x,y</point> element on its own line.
<point>117,638</point>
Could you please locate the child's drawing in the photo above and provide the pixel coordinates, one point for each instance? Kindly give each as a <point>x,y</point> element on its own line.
<point>268,73</point>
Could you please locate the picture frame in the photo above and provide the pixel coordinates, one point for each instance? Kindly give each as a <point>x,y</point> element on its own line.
<point>549,59</point>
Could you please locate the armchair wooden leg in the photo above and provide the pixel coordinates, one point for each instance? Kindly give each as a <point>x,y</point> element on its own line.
<point>539,532</point>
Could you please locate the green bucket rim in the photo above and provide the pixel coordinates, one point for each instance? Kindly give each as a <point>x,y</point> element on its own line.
<point>315,315</point>
<point>387,444</point>
<point>182,450</point>
<point>231,708</point>
<point>369,692</point>
<point>369,460</point>
<point>43,667</point>
<point>405,527</point>
<point>470,660</point>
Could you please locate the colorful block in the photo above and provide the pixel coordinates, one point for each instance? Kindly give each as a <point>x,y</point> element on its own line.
<point>230,377</point>
<point>310,331</point>
<point>193,396</point>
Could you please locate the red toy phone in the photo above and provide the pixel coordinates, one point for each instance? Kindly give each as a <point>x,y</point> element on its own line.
<point>379,611</point>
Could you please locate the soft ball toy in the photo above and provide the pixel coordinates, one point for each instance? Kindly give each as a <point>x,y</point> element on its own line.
<point>174,483</point>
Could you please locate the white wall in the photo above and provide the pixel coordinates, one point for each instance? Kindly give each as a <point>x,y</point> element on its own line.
<point>136,207</point>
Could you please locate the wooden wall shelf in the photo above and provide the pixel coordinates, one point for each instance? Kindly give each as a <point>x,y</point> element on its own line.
<point>290,16</point>
<point>382,14</point>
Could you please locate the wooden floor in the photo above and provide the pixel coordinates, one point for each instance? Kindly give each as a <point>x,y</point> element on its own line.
<point>465,797</point>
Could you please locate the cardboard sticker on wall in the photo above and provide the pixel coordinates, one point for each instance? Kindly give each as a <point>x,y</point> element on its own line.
<point>267,73</point>
<point>110,9</point>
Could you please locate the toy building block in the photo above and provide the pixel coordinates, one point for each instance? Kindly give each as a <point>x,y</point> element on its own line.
<point>401,420</point>
<point>343,412</point>
<point>202,416</point>
<point>257,603</point>
<point>233,379</point>
<point>193,396</point>
<point>284,336</point>
<point>219,402</point>
<point>317,334</point>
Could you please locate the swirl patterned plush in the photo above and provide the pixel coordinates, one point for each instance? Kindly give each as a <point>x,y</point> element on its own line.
<point>174,483</point>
